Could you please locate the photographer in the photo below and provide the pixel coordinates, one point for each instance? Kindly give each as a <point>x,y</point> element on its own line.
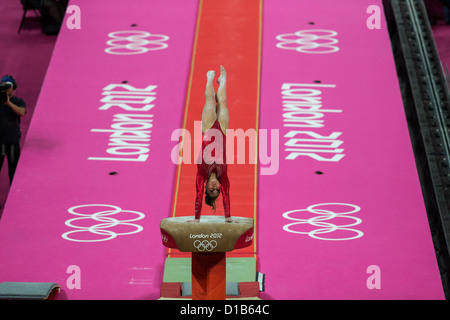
<point>12,109</point>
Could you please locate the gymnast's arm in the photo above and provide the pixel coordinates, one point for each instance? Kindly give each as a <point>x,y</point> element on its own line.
<point>225,189</point>
<point>200,185</point>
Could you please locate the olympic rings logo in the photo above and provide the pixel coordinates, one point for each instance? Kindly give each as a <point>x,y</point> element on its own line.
<point>205,245</point>
<point>316,41</point>
<point>319,218</point>
<point>106,221</point>
<point>135,42</point>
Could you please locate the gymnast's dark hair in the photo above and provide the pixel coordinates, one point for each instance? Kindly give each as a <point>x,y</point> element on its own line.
<point>211,201</point>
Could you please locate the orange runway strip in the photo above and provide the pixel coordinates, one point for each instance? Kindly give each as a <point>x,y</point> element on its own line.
<point>229,34</point>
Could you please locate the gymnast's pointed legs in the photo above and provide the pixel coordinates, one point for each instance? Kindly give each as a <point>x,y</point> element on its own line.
<point>221,98</point>
<point>209,115</point>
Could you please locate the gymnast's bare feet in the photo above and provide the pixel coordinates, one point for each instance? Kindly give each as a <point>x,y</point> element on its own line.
<point>210,75</point>
<point>194,221</point>
<point>223,75</point>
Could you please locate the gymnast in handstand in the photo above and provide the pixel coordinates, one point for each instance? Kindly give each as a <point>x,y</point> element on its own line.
<point>212,169</point>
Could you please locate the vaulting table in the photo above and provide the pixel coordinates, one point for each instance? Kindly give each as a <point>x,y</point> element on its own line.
<point>208,240</point>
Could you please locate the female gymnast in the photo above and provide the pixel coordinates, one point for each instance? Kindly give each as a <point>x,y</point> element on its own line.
<point>212,170</point>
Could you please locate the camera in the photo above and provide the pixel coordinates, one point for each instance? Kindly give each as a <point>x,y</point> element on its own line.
<point>3,87</point>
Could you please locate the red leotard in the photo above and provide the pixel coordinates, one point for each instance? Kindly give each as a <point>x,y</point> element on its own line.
<point>208,165</point>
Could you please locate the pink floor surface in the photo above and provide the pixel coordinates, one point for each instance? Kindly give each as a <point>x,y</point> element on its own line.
<point>339,111</point>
